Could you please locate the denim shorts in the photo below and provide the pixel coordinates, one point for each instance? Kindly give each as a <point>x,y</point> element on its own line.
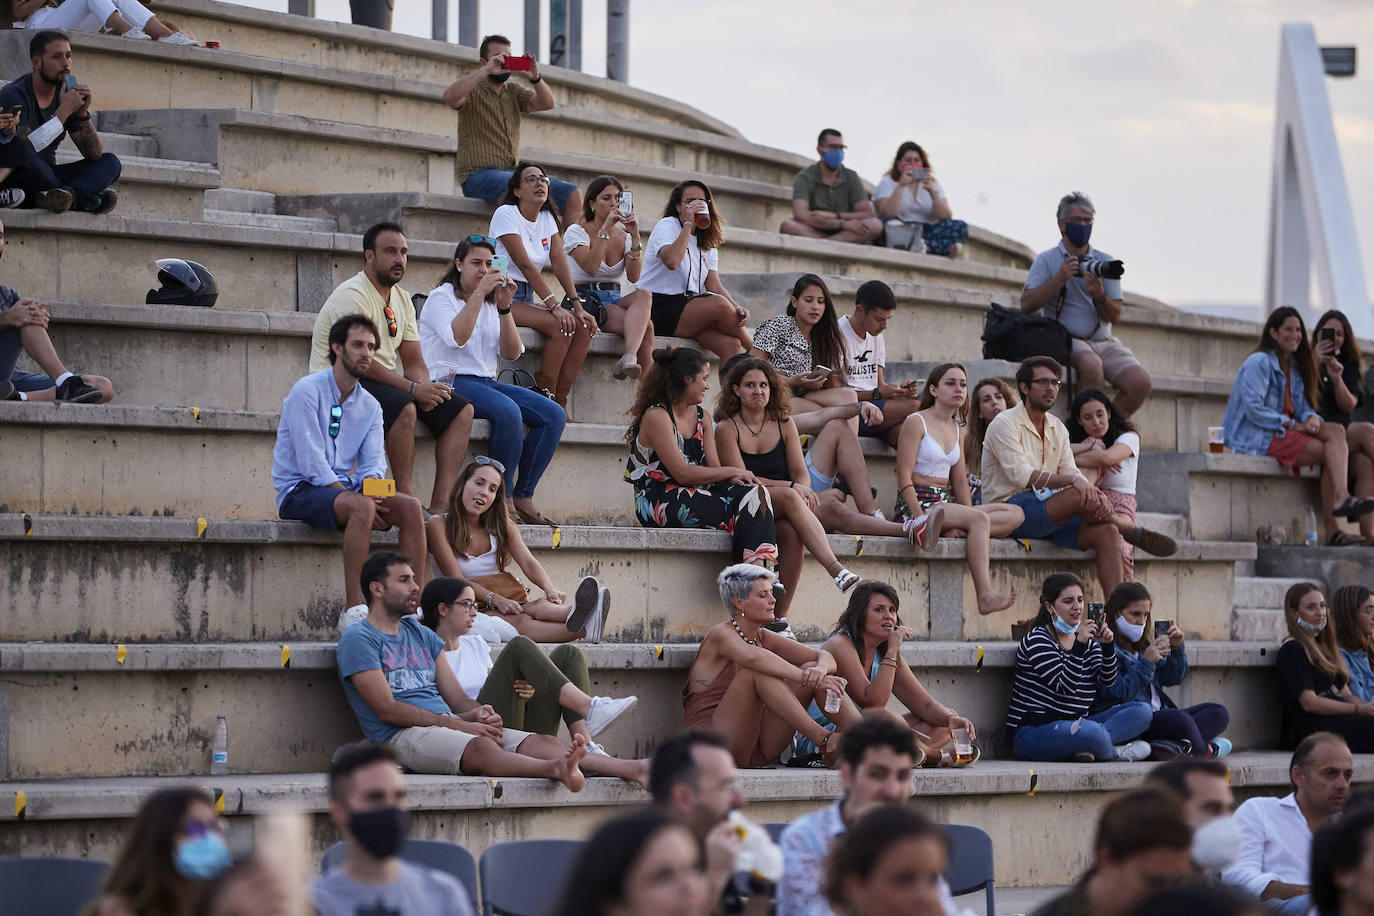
<point>1038,524</point>
<point>312,505</point>
<point>490,185</point>
<point>604,296</point>
<point>31,381</point>
<point>819,482</point>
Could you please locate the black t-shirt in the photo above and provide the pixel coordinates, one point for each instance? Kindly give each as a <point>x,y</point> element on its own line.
<point>1326,397</point>
<point>20,92</point>
<point>1298,674</point>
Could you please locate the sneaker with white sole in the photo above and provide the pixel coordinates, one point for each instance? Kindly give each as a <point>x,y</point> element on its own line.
<point>11,198</point>
<point>606,710</point>
<point>136,34</point>
<point>356,613</point>
<point>1133,751</point>
<point>176,38</point>
<point>628,367</point>
<point>594,748</point>
<point>596,624</point>
<point>1219,747</point>
<point>586,601</point>
<point>925,532</point>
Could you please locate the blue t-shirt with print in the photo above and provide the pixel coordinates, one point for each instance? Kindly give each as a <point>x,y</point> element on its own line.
<point>406,660</point>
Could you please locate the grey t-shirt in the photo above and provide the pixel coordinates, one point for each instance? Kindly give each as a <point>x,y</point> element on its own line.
<point>417,891</point>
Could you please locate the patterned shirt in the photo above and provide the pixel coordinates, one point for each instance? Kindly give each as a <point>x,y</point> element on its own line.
<point>787,349</point>
<point>489,127</point>
<point>1050,684</point>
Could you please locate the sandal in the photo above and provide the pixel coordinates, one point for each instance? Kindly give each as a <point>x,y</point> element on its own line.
<point>830,755</point>
<point>533,518</point>
<point>845,580</point>
<point>1353,507</point>
<point>1344,539</point>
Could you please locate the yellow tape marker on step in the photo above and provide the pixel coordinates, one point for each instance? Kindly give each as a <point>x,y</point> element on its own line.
<point>28,523</point>
<point>658,652</point>
<point>121,653</point>
<point>557,537</point>
<point>1035,780</point>
<point>978,666</point>
<point>21,804</point>
<point>1228,776</point>
<point>286,656</point>
<point>195,412</point>
<point>858,546</point>
<point>219,800</point>
<point>1024,542</point>
<point>201,525</point>
<point>496,789</point>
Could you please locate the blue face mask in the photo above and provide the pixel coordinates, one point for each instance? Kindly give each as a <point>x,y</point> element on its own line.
<point>1077,234</point>
<point>1061,626</point>
<point>202,858</point>
<point>832,158</point>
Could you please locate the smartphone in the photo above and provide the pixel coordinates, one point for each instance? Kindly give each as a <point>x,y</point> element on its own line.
<point>516,62</point>
<point>627,203</point>
<point>918,172</point>
<point>498,262</point>
<point>68,82</point>
<point>1162,627</point>
<point>1327,333</point>
<point>1095,609</point>
<point>14,110</point>
<point>821,370</point>
<point>378,486</point>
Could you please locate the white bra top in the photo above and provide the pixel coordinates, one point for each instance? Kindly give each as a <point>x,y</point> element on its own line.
<point>484,564</point>
<point>931,460</point>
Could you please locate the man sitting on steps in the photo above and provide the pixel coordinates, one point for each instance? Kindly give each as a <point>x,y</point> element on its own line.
<point>829,201</point>
<point>50,103</point>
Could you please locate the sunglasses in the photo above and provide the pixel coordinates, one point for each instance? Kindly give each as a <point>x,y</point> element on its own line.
<point>483,459</point>
<point>335,415</point>
<point>482,240</point>
<point>390,314</point>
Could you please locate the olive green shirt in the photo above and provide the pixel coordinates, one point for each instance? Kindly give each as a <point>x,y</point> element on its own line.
<point>841,197</point>
<point>489,126</point>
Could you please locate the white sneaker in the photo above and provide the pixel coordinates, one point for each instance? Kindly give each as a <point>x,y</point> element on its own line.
<point>176,38</point>
<point>586,601</point>
<point>356,613</point>
<point>11,197</point>
<point>596,624</point>
<point>594,748</point>
<point>1133,751</point>
<point>136,33</point>
<point>628,367</point>
<point>604,711</point>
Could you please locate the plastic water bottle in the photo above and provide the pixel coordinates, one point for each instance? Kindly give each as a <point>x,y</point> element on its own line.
<point>1311,527</point>
<point>219,751</point>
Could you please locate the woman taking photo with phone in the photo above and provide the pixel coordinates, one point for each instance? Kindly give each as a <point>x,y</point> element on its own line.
<point>1340,391</point>
<point>603,248</point>
<point>1352,616</point>
<point>910,194</point>
<point>1270,412</point>
<point>932,477</point>
<point>1148,659</point>
<point>1315,685</point>
<point>1060,665</point>
<point>680,261</point>
<point>529,235</point>
<point>466,327</point>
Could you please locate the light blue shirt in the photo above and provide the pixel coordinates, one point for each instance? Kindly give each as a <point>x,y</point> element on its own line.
<point>1361,676</point>
<point>1079,315</point>
<point>306,453</point>
<point>1254,411</point>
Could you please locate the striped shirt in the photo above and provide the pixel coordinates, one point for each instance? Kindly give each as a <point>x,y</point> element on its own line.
<point>489,127</point>
<point>1051,683</point>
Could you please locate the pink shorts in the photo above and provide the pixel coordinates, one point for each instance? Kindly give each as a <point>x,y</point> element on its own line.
<point>1289,446</point>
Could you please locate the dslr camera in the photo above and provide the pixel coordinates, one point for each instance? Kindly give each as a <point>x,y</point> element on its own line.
<point>1101,267</point>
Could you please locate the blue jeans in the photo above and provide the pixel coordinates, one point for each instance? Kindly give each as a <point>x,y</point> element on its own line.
<point>490,185</point>
<point>1293,906</point>
<point>1097,734</point>
<point>510,409</point>
<point>85,178</point>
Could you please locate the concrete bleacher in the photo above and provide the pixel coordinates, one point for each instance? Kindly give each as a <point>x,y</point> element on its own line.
<point>265,161</point>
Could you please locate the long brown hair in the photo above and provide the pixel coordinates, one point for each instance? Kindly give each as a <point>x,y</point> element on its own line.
<point>663,384</point>
<point>933,382</point>
<point>896,172</point>
<point>1054,585</point>
<point>1122,597</point>
<point>855,615</point>
<point>143,873</point>
<point>1345,618</point>
<point>977,426</point>
<point>594,190</point>
<point>727,402</point>
<point>515,180</point>
<point>1303,361</point>
<point>1349,353</point>
<point>494,519</point>
<point>827,347</point>
<point>713,235</point>
<point>1320,650</point>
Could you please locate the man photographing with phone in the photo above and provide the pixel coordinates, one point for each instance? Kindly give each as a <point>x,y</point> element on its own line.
<point>489,112</point>
<point>49,102</point>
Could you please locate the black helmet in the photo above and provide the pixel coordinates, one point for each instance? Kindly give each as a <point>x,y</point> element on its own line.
<point>183,283</point>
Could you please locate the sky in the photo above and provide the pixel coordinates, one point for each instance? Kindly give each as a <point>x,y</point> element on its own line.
<point>1161,110</point>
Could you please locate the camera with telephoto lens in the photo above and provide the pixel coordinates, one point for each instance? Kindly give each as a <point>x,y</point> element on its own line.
<point>1101,267</point>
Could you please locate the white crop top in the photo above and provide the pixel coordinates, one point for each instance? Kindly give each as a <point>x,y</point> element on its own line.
<point>931,460</point>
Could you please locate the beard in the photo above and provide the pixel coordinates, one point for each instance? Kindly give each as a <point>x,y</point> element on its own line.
<point>384,277</point>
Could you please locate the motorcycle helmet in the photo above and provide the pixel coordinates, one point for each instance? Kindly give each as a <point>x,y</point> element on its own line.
<point>183,283</point>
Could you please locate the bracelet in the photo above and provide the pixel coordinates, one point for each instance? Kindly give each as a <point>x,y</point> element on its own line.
<point>546,299</point>
<point>791,484</point>
<point>632,256</point>
<point>490,595</point>
<point>912,485</point>
<point>412,388</point>
<point>636,248</point>
<point>503,311</point>
<point>537,79</point>
<point>602,235</point>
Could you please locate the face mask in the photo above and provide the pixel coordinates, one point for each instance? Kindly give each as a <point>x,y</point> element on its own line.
<point>380,832</point>
<point>1077,234</point>
<point>1311,629</point>
<point>1216,844</point>
<point>202,858</point>
<point>1061,626</point>
<point>832,158</point>
<point>499,78</point>
<point>1131,632</point>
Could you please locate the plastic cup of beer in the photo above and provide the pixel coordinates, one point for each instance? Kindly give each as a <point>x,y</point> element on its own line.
<point>1216,439</point>
<point>702,217</point>
<point>963,746</point>
<point>832,702</point>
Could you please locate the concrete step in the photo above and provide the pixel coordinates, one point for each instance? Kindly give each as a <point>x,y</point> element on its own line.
<point>1261,592</point>
<point>1329,567</point>
<point>149,710</point>
<point>241,200</point>
<point>1259,624</point>
<point>166,578</point>
<point>158,188</point>
<point>270,220</point>
<point>122,145</point>
<point>89,817</point>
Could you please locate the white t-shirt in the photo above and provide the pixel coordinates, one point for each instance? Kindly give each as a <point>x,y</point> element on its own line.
<point>862,357</point>
<point>471,661</point>
<point>690,275</point>
<point>576,237</point>
<point>537,237</point>
<point>1123,481</point>
<point>917,208</point>
<point>443,355</point>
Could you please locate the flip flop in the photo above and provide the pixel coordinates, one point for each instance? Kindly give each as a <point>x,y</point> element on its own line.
<point>1353,507</point>
<point>1344,539</point>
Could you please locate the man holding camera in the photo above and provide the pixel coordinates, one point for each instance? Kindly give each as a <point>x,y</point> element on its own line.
<point>489,113</point>
<point>1086,304</point>
<point>829,201</point>
<point>49,102</point>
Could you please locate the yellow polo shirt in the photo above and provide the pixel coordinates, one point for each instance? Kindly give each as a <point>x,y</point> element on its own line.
<point>357,296</point>
<point>1013,449</point>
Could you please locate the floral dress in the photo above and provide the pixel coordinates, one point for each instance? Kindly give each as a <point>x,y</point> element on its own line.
<point>661,502</point>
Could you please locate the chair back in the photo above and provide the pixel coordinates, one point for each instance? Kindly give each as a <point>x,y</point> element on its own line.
<point>970,861</point>
<point>525,877</point>
<point>775,830</point>
<point>449,858</point>
<point>50,886</point>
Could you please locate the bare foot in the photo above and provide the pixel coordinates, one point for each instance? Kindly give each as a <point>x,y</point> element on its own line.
<point>991,604</point>
<point>565,768</point>
<point>641,774</point>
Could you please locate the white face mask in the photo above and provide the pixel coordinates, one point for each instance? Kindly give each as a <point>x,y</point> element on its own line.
<point>1216,844</point>
<point>1129,632</point>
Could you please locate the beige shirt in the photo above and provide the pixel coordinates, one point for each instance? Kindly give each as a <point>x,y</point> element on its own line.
<point>1013,449</point>
<point>489,127</point>
<point>357,296</point>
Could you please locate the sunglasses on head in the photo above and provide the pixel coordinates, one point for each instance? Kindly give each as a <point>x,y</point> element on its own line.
<point>482,240</point>
<point>483,459</point>
<point>335,415</point>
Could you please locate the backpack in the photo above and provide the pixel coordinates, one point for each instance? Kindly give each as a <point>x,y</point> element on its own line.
<point>1014,336</point>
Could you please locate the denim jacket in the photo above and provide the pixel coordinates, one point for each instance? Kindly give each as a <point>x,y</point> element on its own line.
<point>1361,677</point>
<point>1254,412</point>
<point>1135,674</point>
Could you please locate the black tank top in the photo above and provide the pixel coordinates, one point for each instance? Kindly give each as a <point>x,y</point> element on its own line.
<point>771,464</point>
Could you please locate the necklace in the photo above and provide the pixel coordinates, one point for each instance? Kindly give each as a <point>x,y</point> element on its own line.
<point>752,642</point>
<point>756,432</point>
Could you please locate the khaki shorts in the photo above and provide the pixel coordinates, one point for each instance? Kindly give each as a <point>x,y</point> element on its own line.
<point>438,750</point>
<point>1116,357</point>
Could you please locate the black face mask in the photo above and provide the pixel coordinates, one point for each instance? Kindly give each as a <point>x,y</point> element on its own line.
<point>499,78</point>
<point>381,832</point>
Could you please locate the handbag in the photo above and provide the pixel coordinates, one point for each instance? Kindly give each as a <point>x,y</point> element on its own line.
<point>1014,336</point>
<point>905,236</point>
<point>501,583</point>
<point>523,378</point>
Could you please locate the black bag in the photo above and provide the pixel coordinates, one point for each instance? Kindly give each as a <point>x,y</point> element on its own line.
<point>1014,336</point>
<point>524,379</point>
